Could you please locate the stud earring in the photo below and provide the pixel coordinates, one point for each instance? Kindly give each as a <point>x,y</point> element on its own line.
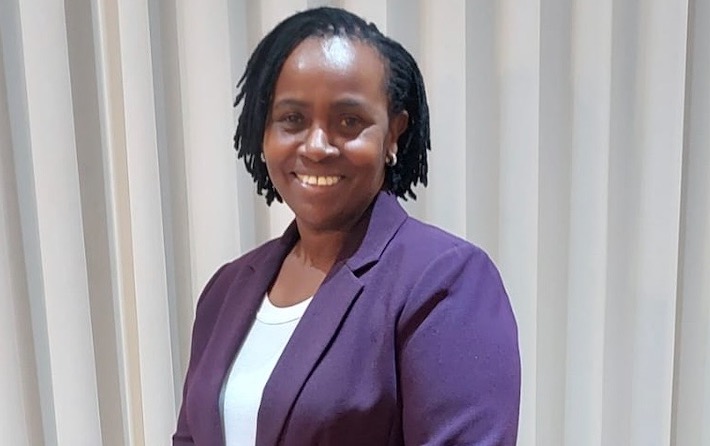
<point>263,158</point>
<point>391,159</point>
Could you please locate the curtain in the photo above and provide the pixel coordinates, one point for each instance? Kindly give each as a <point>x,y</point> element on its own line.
<point>571,140</point>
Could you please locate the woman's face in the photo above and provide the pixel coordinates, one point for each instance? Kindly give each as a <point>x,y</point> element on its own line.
<point>329,131</point>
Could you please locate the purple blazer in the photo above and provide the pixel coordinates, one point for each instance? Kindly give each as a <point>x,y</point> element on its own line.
<point>412,341</point>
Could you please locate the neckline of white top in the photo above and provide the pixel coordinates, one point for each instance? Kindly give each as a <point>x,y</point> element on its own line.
<point>272,315</point>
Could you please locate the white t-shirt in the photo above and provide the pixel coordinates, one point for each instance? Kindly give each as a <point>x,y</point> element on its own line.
<point>256,359</point>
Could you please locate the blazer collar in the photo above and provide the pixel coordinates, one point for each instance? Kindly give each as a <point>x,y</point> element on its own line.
<point>323,318</point>
<point>386,218</point>
<point>236,316</point>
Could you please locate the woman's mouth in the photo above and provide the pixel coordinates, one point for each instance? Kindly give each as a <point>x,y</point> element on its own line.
<point>318,180</point>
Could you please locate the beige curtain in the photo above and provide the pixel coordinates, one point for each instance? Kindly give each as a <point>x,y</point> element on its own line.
<point>571,140</point>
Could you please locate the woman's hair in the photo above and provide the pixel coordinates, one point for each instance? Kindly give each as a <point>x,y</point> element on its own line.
<point>404,85</point>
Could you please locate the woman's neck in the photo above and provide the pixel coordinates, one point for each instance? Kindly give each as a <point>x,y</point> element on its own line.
<point>321,249</point>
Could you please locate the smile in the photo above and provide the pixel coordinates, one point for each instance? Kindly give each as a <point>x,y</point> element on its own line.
<point>313,180</point>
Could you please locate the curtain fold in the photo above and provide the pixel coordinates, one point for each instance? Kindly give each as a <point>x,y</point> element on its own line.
<point>570,140</point>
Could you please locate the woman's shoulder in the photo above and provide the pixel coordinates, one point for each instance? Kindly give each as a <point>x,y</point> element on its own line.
<point>427,240</point>
<point>419,248</point>
<point>221,280</point>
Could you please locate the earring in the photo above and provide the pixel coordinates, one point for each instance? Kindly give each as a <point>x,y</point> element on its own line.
<point>391,159</point>
<point>263,158</point>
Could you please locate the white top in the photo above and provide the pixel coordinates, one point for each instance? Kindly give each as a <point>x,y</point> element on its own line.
<point>256,359</point>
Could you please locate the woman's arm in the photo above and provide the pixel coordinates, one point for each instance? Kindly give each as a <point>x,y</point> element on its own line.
<point>205,313</point>
<point>458,358</point>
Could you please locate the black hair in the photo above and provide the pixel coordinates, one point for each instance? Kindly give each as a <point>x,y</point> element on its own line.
<point>404,85</point>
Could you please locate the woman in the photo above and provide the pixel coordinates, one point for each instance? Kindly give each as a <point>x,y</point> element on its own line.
<point>360,325</point>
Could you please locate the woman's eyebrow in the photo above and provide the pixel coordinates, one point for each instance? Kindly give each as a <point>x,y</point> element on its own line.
<point>289,102</point>
<point>352,103</point>
<point>349,102</point>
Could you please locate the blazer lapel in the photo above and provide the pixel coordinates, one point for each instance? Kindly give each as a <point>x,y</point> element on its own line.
<point>321,322</point>
<point>236,316</point>
<point>303,352</point>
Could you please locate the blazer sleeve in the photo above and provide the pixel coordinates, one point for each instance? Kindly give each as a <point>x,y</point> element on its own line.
<point>205,315</point>
<point>458,358</point>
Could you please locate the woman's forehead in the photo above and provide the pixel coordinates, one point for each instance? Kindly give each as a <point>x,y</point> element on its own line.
<point>337,51</point>
<point>334,53</point>
<point>330,68</point>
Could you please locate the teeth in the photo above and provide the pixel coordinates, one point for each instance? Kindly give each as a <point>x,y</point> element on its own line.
<point>313,180</point>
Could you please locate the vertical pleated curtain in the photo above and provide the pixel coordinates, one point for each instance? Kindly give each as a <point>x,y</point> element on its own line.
<point>571,140</point>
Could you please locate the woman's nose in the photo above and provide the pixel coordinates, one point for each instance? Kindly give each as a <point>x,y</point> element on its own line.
<point>317,147</point>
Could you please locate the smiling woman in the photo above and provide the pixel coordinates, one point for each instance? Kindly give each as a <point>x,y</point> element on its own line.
<point>360,325</point>
<point>329,132</point>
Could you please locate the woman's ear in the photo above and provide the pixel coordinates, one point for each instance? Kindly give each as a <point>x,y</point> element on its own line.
<point>398,124</point>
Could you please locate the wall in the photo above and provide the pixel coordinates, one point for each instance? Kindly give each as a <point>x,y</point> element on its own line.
<point>571,140</point>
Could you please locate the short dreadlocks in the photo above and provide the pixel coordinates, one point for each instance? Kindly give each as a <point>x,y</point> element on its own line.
<point>404,85</point>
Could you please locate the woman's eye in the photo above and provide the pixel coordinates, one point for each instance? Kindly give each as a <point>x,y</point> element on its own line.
<point>292,119</point>
<point>349,122</point>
